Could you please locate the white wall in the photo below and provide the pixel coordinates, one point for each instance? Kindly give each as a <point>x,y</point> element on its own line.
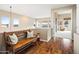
<point>76,43</point>
<point>45,34</point>
<point>77,21</point>
<point>25,21</point>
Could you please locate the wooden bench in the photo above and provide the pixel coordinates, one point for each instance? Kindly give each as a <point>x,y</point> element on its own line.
<point>21,45</point>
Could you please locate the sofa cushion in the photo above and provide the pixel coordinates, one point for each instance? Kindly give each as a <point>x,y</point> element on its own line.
<point>13,38</point>
<point>29,34</point>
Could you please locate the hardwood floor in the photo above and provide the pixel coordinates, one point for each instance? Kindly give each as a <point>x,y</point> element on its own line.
<point>57,46</point>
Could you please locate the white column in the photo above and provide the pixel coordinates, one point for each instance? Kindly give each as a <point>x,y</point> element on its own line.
<point>76,35</point>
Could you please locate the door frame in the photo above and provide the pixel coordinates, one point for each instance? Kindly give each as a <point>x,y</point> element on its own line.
<point>73,17</point>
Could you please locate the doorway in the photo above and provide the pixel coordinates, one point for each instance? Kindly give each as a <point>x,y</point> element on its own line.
<point>64,21</point>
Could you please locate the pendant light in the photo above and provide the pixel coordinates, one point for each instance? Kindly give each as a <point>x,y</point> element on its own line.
<point>10,18</point>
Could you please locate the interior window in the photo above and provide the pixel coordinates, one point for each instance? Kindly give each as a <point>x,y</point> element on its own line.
<point>15,22</point>
<point>43,24</point>
<point>5,21</point>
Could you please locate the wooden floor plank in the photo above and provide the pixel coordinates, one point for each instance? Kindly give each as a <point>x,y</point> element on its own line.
<point>57,46</point>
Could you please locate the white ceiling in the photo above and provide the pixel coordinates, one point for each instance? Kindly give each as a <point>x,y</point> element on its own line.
<point>32,10</point>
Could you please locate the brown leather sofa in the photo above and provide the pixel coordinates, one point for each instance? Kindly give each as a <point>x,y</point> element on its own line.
<point>22,44</point>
